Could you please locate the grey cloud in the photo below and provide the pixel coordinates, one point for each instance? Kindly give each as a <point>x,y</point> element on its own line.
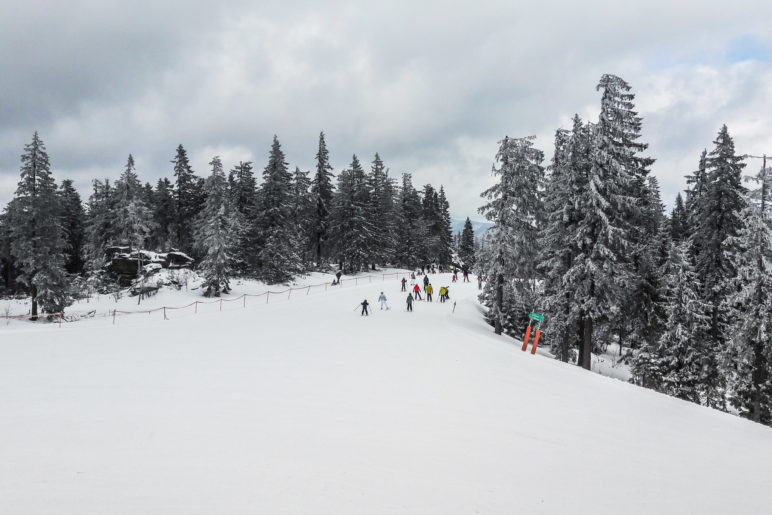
<point>431,86</point>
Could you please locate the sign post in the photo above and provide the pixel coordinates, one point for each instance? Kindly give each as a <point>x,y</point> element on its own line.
<point>538,319</point>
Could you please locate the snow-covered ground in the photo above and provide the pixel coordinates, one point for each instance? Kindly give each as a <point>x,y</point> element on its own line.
<point>301,405</point>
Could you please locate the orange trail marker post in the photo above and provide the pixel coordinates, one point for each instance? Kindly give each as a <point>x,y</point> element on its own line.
<point>527,337</point>
<point>536,341</point>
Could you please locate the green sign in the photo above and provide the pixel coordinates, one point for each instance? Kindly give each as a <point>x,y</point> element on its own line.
<point>537,317</point>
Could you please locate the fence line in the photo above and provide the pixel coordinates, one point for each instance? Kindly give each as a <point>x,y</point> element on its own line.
<point>243,298</point>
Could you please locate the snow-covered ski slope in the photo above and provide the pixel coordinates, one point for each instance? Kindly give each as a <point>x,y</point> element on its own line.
<point>304,406</point>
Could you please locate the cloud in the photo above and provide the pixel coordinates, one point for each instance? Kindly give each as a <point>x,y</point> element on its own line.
<point>430,86</point>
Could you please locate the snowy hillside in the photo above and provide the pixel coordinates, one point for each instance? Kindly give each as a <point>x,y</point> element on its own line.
<point>301,405</point>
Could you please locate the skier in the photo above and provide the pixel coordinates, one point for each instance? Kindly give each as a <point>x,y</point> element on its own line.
<point>417,292</point>
<point>442,294</point>
<point>409,302</point>
<point>454,277</point>
<point>479,282</point>
<point>338,276</point>
<point>426,281</point>
<point>412,278</point>
<point>447,292</point>
<point>466,274</point>
<point>403,284</point>
<point>382,300</point>
<point>364,308</point>
<point>429,291</point>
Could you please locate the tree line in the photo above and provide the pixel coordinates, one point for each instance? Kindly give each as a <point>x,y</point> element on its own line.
<point>586,241</point>
<point>292,222</point>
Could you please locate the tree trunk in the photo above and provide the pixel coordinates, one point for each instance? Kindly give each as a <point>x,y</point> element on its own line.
<point>499,302</point>
<point>580,339</point>
<point>34,302</point>
<point>586,353</point>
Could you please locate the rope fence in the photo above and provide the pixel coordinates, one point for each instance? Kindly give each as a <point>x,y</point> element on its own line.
<point>243,298</point>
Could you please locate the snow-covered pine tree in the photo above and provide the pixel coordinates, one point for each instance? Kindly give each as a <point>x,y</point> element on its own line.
<point>303,215</point>
<point>408,224</point>
<point>718,224</point>
<point>242,188</point>
<point>750,350</point>
<point>697,188</point>
<point>679,221</point>
<point>352,228</point>
<point>466,249</point>
<point>514,204</point>
<point>322,194</point>
<point>429,244</point>
<point>559,243</point>
<point>132,218</point>
<point>278,256</point>
<point>678,349</point>
<point>381,212</point>
<point>445,253</point>
<point>164,215</point>
<point>189,199</point>
<point>642,315</point>
<point>216,235</point>
<point>73,220</point>
<point>37,238</point>
<point>99,220</point>
<point>610,228</point>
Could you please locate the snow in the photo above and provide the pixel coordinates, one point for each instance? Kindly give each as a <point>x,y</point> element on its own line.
<point>301,405</point>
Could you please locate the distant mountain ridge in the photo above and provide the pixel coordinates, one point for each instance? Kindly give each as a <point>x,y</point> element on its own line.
<point>457,225</point>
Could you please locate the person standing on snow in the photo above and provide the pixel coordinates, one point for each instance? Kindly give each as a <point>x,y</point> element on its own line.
<point>429,291</point>
<point>364,308</point>
<point>417,292</point>
<point>442,294</point>
<point>382,300</point>
<point>426,281</point>
<point>479,282</point>
<point>412,278</point>
<point>338,276</point>
<point>466,274</point>
<point>403,284</point>
<point>409,302</point>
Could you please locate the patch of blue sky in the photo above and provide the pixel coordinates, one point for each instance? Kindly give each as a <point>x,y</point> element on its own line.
<point>747,48</point>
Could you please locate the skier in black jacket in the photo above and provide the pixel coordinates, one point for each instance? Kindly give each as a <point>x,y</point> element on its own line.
<point>364,308</point>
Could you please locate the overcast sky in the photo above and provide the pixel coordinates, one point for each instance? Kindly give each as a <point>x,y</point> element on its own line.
<point>431,86</point>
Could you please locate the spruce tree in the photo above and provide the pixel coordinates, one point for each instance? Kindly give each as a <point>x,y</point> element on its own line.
<point>381,212</point>
<point>321,191</point>
<point>718,225</point>
<point>686,327</point>
<point>73,221</point>
<point>408,224</point>
<point>37,237</point>
<point>189,198</point>
<point>302,214</point>
<point>751,314</point>
<point>164,215</point>
<point>559,241</point>
<point>679,221</point>
<point>611,227</point>
<point>279,258</point>
<point>132,217</point>
<point>514,204</point>
<point>216,235</point>
<point>99,223</point>
<point>242,188</point>
<point>352,227</point>
<point>445,237</point>
<point>466,244</point>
